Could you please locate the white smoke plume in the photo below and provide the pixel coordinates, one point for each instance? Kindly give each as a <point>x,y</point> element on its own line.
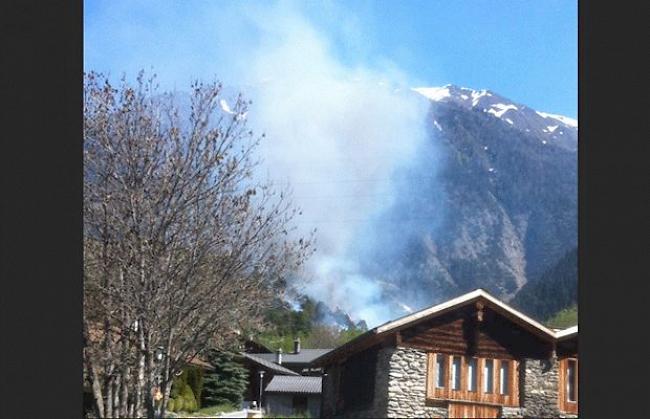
<point>336,134</point>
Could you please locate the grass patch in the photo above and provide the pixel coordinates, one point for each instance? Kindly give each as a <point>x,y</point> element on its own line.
<point>564,318</point>
<point>213,410</point>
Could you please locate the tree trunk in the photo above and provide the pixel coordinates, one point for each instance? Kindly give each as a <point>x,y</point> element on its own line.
<point>97,391</point>
<point>116,396</point>
<point>126,348</point>
<point>166,376</point>
<point>124,398</point>
<point>151,384</point>
<point>109,398</point>
<point>166,393</point>
<point>139,386</point>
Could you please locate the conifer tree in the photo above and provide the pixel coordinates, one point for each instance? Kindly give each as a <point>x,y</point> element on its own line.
<point>227,383</point>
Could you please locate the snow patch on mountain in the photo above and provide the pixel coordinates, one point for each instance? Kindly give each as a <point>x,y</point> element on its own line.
<point>433,93</point>
<point>564,119</point>
<point>477,95</point>
<point>542,125</point>
<point>501,109</point>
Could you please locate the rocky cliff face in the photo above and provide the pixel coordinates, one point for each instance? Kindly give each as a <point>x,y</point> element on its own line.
<point>498,212</point>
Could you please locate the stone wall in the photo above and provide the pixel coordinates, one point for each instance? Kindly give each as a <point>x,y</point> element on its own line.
<point>407,385</point>
<point>538,387</point>
<point>512,412</point>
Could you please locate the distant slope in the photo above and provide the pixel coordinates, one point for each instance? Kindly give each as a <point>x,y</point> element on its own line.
<point>494,204</point>
<point>554,291</point>
<point>564,318</point>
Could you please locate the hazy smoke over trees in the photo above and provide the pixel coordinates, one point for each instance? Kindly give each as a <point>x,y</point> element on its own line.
<point>337,134</point>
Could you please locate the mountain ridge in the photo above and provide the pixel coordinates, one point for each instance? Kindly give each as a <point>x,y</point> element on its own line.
<point>503,203</point>
<point>551,128</point>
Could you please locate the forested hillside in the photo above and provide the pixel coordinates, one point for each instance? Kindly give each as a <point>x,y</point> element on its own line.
<point>555,290</point>
<point>491,204</point>
<point>313,322</point>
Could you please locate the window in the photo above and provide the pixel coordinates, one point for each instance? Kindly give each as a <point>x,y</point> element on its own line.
<point>440,371</point>
<point>488,376</point>
<point>455,373</point>
<point>568,393</point>
<point>483,380</point>
<point>504,378</point>
<point>570,381</point>
<point>472,374</point>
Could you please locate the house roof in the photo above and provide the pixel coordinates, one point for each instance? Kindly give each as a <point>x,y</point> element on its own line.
<point>299,384</point>
<point>278,369</point>
<point>460,301</point>
<point>567,333</point>
<point>439,309</point>
<point>305,356</point>
<point>201,363</point>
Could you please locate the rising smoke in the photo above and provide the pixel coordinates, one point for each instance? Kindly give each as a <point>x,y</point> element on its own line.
<point>337,134</point>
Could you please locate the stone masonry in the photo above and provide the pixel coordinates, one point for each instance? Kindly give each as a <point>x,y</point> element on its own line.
<point>400,388</point>
<point>407,385</point>
<point>539,387</point>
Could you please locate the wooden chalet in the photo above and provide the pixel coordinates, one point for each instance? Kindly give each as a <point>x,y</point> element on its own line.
<point>472,356</point>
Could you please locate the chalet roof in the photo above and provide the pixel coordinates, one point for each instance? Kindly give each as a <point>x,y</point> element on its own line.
<point>439,309</point>
<point>460,301</point>
<point>299,384</point>
<point>305,356</point>
<point>567,333</point>
<point>278,369</point>
<point>201,363</point>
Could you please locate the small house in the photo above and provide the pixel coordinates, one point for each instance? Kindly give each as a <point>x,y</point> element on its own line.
<point>291,396</point>
<point>260,373</point>
<point>291,384</point>
<point>471,357</point>
<point>299,360</point>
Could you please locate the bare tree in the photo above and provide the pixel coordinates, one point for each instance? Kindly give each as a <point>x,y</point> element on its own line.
<point>183,247</point>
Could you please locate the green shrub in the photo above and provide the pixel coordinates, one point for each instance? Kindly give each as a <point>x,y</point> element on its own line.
<point>194,378</point>
<point>178,405</point>
<point>170,405</point>
<point>186,395</point>
<point>182,392</point>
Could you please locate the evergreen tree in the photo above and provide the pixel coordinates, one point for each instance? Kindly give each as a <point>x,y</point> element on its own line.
<point>227,383</point>
<point>555,290</point>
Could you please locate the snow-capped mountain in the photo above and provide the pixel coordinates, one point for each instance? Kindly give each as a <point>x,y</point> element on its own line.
<point>550,128</point>
<point>499,212</point>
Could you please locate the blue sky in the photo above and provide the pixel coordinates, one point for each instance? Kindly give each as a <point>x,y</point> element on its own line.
<point>525,50</point>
